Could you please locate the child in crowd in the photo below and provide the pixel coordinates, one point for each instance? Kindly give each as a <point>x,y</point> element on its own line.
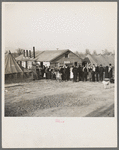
<point>58,76</point>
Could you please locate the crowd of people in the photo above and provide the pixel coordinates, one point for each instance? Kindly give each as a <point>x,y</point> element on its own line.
<point>75,73</point>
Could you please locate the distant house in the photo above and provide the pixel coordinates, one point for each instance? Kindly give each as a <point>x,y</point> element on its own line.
<point>25,60</point>
<point>53,58</point>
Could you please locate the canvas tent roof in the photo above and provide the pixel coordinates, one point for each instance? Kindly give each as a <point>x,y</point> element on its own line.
<point>105,60</point>
<point>11,65</point>
<point>110,59</point>
<point>90,59</point>
<point>101,60</point>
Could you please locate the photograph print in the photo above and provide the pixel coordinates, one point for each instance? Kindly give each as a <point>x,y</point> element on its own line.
<point>59,59</point>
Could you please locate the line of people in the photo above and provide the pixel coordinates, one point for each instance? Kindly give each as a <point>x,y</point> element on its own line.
<point>76,73</point>
<point>92,73</point>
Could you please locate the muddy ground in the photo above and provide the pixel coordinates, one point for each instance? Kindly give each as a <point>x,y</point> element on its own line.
<point>49,98</point>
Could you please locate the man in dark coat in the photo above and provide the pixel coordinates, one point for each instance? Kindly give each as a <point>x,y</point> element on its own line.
<point>110,71</point>
<point>97,72</point>
<point>43,71</point>
<point>46,71</point>
<point>67,73</point>
<point>93,73</point>
<point>75,70</point>
<point>80,72</point>
<point>85,73</point>
<point>101,70</point>
<point>106,72</point>
<point>62,72</point>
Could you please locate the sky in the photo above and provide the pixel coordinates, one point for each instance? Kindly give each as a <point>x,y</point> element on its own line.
<point>64,25</point>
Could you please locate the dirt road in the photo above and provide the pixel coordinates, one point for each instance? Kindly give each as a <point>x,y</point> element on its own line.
<point>49,98</point>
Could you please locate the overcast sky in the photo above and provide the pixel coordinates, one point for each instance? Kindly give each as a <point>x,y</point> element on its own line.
<point>65,25</point>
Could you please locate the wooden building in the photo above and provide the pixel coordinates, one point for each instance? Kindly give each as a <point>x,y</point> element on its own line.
<point>55,58</point>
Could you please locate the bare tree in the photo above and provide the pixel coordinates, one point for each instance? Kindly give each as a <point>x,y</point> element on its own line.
<point>19,51</point>
<point>87,51</point>
<point>80,54</point>
<point>77,53</point>
<point>6,52</point>
<point>106,52</point>
<point>94,52</point>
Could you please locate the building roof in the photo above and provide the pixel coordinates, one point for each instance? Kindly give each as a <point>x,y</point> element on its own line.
<point>44,56</point>
<point>49,55</point>
<point>11,65</point>
<point>22,58</point>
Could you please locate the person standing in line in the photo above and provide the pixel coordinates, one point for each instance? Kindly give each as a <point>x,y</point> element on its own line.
<point>97,72</point>
<point>40,72</point>
<point>90,74</point>
<point>75,74</point>
<point>71,73</point>
<point>93,73</point>
<point>61,70</point>
<point>51,74</point>
<point>101,70</point>
<point>80,73</point>
<point>110,71</point>
<point>85,73</point>
<point>46,72</point>
<point>68,73</point>
<point>64,73</point>
<point>106,72</point>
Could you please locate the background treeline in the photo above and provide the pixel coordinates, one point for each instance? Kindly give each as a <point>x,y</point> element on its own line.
<point>82,55</point>
<point>87,51</point>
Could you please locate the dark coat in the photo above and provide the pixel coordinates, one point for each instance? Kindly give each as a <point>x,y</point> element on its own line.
<point>106,72</point>
<point>80,70</point>
<point>75,70</point>
<point>97,69</point>
<point>101,70</point>
<point>110,73</point>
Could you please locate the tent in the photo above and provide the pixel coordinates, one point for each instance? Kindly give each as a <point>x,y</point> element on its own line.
<point>110,59</point>
<point>105,60</point>
<point>12,69</point>
<point>89,59</point>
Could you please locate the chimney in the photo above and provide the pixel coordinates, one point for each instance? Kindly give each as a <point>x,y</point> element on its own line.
<point>33,52</point>
<point>30,53</point>
<point>26,53</point>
